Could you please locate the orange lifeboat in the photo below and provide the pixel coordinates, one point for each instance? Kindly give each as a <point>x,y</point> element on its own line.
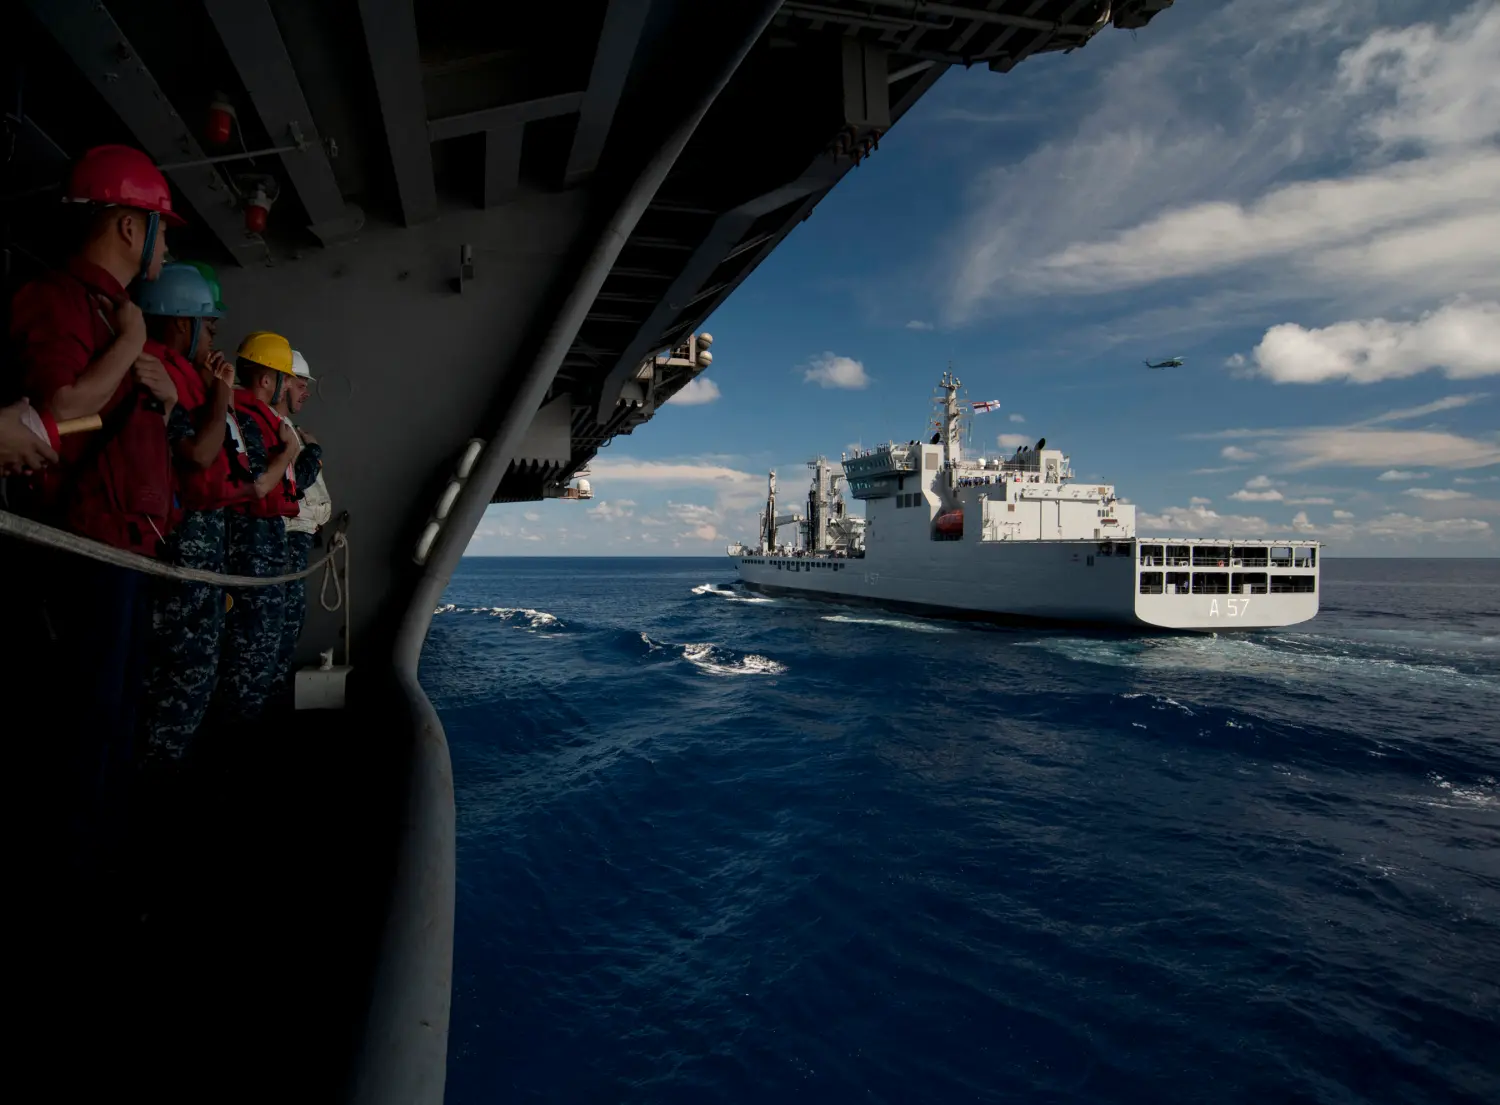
<point>951,524</point>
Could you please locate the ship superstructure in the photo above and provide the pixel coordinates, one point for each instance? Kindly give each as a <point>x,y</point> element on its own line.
<point>1015,538</point>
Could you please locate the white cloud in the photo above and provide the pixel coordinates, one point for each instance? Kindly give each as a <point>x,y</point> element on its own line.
<point>1272,496</point>
<point>1394,527</point>
<point>1298,223</point>
<point>1234,452</point>
<point>918,324</point>
<point>1356,448</point>
<point>660,472</point>
<point>1018,418</point>
<point>1260,482</point>
<point>1404,526</point>
<point>1437,494</point>
<point>619,509</point>
<point>1448,403</point>
<point>1393,475</point>
<point>1315,501</point>
<point>1470,479</point>
<point>1199,519</point>
<point>692,513</point>
<point>832,371</point>
<point>1198,500</point>
<point>1437,100</point>
<point>696,392</point>
<point>1012,441</point>
<point>1207,156</point>
<point>1461,339</point>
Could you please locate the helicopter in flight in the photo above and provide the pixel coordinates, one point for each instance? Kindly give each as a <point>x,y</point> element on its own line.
<point>1170,362</point>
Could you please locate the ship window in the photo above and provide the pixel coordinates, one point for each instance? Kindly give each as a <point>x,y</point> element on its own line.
<point>1212,556</point>
<point>1179,556</point>
<point>1305,557</point>
<point>1151,556</point>
<point>1248,583</point>
<point>1281,557</point>
<point>1293,585</point>
<point>1250,556</point>
<point>1177,583</point>
<point>1150,583</point>
<point>1210,583</point>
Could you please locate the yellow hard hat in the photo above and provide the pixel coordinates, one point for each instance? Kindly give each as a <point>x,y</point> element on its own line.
<point>268,350</point>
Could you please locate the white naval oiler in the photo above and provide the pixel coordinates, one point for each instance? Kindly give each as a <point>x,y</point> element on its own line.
<point>1013,539</point>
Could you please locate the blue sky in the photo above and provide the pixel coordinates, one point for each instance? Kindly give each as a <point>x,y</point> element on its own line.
<point>1300,197</point>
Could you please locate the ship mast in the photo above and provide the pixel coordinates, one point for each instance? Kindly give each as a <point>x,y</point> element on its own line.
<point>819,501</point>
<point>768,522</point>
<point>950,424</point>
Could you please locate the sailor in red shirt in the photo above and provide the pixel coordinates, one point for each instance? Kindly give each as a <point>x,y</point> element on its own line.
<point>182,314</point>
<point>78,344</point>
<point>256,530</point>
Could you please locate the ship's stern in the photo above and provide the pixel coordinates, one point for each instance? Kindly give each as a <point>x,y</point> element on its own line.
<point>1219,585</point>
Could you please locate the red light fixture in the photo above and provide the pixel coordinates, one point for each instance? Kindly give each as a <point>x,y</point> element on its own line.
<point>221,118</point>
<point>257,207</point>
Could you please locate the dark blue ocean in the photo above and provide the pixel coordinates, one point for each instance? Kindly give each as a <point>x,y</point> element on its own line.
<point>719,849</point>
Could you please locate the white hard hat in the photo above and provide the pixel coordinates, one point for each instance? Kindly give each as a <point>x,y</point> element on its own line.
<point>299,366</point>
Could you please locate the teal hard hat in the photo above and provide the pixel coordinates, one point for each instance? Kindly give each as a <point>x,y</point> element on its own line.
<point>181,291</point>
<point>213,281</point>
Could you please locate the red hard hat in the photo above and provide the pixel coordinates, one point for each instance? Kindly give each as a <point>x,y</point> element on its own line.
<point>121,175</point>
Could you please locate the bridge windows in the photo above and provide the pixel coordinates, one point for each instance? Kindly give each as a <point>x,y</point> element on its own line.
<point>1151,583</point>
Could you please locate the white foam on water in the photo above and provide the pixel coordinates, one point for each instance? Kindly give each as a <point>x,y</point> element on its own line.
<point>1481,794</point>
<point>893,623</point>
<point>1297,656</point>
<point>1159,701</point>
<point>728,594</point>
<point>717,661</point>
<point>534,619</point>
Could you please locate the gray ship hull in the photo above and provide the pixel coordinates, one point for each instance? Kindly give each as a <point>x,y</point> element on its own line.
<point>1054,582</point>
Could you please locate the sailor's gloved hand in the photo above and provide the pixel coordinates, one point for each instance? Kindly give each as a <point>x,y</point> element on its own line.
<point>20,449</point>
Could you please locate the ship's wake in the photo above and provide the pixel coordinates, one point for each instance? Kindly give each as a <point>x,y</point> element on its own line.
<point>715,659</point>
<point>524,617</point>
<point>1286,657</point>
<point>891,623</point>
<point>729,594</point>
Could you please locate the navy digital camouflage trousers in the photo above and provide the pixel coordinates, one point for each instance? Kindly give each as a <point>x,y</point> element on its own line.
<point>187,620</point>
<point>298,548</point>
<point>249,660</point>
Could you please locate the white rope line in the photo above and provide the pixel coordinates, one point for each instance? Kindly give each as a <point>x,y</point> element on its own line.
<point>28,530</point>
